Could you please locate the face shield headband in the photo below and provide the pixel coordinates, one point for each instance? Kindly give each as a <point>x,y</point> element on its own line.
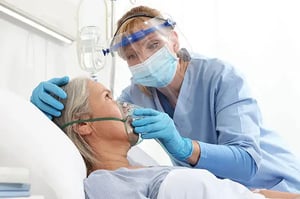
<point>139,35</point>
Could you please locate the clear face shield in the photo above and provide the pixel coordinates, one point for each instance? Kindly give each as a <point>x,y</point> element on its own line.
<point>126,110</point>
<point>144,40</point>
<point>147,48</point>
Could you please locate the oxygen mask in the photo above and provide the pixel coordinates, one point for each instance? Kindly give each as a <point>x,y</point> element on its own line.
<point>127,113</point>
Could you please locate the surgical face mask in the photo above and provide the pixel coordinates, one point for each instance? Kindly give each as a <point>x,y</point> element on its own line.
<point>126,110</point>
<point>156,71</point>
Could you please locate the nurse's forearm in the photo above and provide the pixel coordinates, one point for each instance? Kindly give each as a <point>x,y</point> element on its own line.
<point>227,161</point>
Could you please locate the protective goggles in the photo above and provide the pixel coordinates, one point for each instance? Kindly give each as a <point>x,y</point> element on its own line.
<point>127,118</point>
<point>135,46</point>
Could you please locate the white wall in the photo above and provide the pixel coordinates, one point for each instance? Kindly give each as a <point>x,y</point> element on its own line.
<point>261,38</point>
<point>28,57</point>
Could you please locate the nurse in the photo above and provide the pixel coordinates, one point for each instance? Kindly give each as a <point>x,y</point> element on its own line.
<point>199,109</point>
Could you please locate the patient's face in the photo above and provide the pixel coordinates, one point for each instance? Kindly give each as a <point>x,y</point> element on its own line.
<point>102,105</point>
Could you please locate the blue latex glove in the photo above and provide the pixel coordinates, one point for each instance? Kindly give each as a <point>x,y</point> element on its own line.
<point>155,124</point>
<point>41,96</point>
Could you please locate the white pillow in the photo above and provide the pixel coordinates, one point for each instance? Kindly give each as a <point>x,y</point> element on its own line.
<point>29,139</point>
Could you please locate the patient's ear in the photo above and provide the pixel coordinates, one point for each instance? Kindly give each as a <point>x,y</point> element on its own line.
<point>83,128</point>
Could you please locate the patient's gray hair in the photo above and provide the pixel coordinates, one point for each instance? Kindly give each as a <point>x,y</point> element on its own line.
<point>75,106</point>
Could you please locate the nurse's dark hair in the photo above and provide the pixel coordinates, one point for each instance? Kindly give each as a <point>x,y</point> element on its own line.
<point>75,106</point>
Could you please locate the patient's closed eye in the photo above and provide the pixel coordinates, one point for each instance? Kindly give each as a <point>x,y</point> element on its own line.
<point>108,95</point>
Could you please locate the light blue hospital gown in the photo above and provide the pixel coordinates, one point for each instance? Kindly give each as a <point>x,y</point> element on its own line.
<point>125,183</point>
<point>215,107</point>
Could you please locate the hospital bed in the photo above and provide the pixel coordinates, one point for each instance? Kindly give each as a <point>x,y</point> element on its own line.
<point>30,140</point>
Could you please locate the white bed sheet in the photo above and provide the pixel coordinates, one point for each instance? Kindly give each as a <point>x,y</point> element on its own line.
<point>201,184</point>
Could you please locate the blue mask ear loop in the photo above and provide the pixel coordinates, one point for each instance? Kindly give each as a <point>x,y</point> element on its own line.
<point>94,120</point>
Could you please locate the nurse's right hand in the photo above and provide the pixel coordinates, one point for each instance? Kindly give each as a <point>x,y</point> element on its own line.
<point>42,96</point>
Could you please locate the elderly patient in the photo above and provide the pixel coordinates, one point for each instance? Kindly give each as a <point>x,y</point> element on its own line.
<point>104,144</point>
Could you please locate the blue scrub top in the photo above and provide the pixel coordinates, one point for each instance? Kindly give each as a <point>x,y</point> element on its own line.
<point>215,107</point>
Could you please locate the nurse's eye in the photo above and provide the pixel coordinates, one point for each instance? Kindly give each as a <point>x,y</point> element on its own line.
<point>153,45</point>
<point>131,56</point>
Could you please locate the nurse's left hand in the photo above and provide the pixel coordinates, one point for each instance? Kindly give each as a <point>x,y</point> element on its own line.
<point>155,124</point>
